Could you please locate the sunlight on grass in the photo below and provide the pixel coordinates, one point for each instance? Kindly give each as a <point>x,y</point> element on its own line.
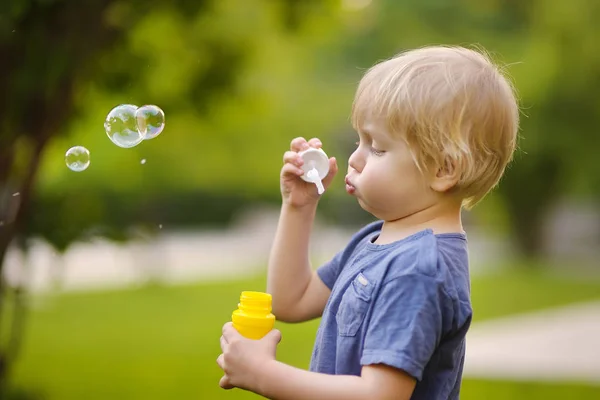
<point>162,342</point>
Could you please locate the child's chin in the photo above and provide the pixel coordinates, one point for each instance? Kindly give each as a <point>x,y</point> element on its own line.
<point>364,206</point>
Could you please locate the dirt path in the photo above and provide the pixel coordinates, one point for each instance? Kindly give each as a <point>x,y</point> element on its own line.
<point>553,345</point>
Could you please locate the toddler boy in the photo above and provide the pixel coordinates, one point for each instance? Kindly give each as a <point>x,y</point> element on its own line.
<point>436,127</point>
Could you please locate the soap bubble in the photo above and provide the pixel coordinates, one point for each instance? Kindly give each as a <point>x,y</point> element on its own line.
<point>150,121</point>
<point>121,126</point>
<point>77,158</point>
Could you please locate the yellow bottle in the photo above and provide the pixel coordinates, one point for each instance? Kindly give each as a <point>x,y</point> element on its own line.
<point>253,318</point>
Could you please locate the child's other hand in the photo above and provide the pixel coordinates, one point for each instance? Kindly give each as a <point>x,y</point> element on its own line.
<point>295,191</point>
<point>242,358</point>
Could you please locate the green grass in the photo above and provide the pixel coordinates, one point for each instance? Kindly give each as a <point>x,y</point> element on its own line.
<point>162,342</point>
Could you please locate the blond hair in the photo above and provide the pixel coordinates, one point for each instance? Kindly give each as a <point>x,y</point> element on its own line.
<point>451,105</point>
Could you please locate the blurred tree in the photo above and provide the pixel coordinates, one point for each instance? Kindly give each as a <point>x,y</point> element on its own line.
<point>46,46</point>
<point>238,80</point>
<point>558,82</point>
<point>213,66</point>
<point>550,51</point>
<point>224,146</point>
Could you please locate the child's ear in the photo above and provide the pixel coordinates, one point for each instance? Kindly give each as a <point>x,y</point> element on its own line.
<point>446,177</point>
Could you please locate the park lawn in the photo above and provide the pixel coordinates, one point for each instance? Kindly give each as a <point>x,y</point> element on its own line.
<point>161,342</point>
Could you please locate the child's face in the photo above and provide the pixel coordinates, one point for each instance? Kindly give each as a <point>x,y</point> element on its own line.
<point>384,177</point>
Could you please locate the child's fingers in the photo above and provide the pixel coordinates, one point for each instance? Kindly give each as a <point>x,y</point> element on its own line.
<point>273,336</point>
<point>333,166</point>
<point>316,143</point>
<point>230,333</point>
<point>224,344</point>
<point>333,169</point>
<point>224,383</point>
<point>292,157</point>
<point>299,144</point>
<point>290,170</point>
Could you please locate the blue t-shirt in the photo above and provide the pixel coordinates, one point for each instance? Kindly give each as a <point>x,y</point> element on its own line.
<point>404,304</point>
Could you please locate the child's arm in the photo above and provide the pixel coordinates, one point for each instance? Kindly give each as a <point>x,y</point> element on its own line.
<point>298,293</point>
<point>251,365</point>
<point>284,382</point>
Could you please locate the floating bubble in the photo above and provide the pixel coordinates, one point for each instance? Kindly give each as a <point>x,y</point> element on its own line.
<point>77,158</point>
<point>150,121</point>
<point>143,161</point>
<point>121,126</point>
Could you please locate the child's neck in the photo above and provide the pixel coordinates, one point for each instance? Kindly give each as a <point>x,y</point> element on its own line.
<point>441,218</point>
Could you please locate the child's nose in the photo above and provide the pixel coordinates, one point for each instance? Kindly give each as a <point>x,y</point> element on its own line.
<point>356,161</point>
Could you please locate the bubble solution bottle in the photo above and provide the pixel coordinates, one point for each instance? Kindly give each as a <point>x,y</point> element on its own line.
<point>253,318</point>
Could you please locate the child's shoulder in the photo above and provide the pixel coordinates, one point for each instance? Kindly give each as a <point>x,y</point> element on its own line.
<point>440,258</point>
<point>436,257</point>
<point>422,253</point>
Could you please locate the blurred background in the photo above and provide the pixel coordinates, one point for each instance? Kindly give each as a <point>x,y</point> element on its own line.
<point>116,280</point>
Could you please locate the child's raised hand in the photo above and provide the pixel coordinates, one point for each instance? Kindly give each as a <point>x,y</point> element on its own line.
<point>242,358</point>
<point>295,191</point>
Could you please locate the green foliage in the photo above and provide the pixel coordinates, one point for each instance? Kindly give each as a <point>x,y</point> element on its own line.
<point>548,50</point>
<point>162,342</point>
<point>239,80</point>
<point>235,85</point>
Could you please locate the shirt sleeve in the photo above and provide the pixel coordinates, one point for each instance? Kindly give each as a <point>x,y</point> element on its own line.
<point>406,324</point>
<point>329,271</point>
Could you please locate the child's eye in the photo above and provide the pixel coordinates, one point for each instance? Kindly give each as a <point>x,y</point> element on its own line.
<point>376,152</point>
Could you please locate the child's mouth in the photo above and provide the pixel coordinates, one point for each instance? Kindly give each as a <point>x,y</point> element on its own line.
<point>350,188</point>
